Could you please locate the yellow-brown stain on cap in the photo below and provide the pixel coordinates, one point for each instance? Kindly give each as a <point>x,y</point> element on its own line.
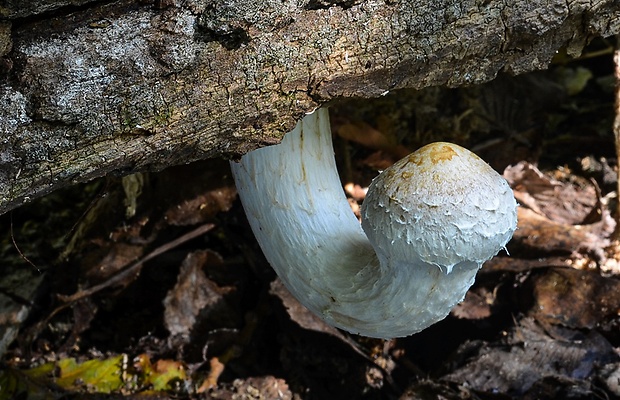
<point>434,152</point>
<point>442,152</point>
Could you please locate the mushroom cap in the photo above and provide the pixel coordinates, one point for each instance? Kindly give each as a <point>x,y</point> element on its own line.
<point>441,205</point>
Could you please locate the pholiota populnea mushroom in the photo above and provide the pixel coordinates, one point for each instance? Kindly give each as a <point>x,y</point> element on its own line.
<point>428,224</point>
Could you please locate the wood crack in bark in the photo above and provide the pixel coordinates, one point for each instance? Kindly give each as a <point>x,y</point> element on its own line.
<point>23,12</point>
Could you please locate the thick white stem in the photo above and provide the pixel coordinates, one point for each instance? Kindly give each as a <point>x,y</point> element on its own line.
<point>298,212</point>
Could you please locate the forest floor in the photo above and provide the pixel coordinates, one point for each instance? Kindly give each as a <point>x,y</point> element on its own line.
<point>152,285</point>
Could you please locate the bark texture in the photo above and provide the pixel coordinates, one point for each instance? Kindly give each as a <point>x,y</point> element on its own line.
<point>92,87</point>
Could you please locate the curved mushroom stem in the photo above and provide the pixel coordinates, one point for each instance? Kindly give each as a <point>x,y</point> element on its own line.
<point>428,236</point>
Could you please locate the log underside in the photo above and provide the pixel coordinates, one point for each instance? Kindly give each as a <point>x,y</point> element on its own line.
<point>94,87</point>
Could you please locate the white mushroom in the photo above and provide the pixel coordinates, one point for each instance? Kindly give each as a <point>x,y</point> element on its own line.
<point>430,221</point>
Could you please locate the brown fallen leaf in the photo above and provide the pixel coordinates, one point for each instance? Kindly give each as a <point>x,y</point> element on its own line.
<point>159,376</point>
<point>476,305</point>
<point>266,387</point>
<point>574,203</point>
<point>355,191</point>
<point>529,355</point>
<point>300,314</point>
<point>558,217</point>
<point>104,262</point>
<point>307,320</point>
<point>131,270</point>
<point>202,207</point>
<point>364,134</point>
<point>573,298</point>
<point>215,370</point>
<point>515,264</point>
<point>537,236</point>
<point>162,203</point>
<point>195,294</point>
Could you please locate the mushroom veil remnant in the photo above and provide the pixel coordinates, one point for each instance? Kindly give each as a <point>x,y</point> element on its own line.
<point>429,222</point>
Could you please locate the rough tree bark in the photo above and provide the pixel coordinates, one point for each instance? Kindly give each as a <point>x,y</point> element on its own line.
<point>91,87</point>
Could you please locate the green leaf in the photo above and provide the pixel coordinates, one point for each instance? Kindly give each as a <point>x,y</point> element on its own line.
<point>101,376</point>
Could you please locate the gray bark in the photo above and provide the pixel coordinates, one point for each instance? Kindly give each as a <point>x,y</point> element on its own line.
<point>88,88</point>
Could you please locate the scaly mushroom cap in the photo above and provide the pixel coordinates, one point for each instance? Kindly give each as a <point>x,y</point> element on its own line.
<point>442,205</point>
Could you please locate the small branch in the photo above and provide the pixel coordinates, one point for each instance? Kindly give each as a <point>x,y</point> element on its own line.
<point>22,255</point>
<point>132,268</point>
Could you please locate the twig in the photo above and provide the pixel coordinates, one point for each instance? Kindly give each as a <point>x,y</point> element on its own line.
<point>133,267</point>
<point>22,255</point>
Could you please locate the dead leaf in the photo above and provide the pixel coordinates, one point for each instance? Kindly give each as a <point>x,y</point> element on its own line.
<point>300,314</point>
<point>379,161</point>
<point>210,382</point>
<point>355,191</point>
<point>514,264</point>
<point>573,298</point>
<point>194,294</point>
<point>432,389</point>
<point>202,207</point>
<point>307,320</point>
<point>99,265</point>
<point>528,356</point>
<point>161,376</point>
<point>538,236</point>
<point>364,134</point>
<point>476,305</point>
<point>571,203</point>
<point>83,313</point>
<point>267,387</point>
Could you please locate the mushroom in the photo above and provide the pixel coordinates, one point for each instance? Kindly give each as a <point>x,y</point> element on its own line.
<point>429,222</point>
